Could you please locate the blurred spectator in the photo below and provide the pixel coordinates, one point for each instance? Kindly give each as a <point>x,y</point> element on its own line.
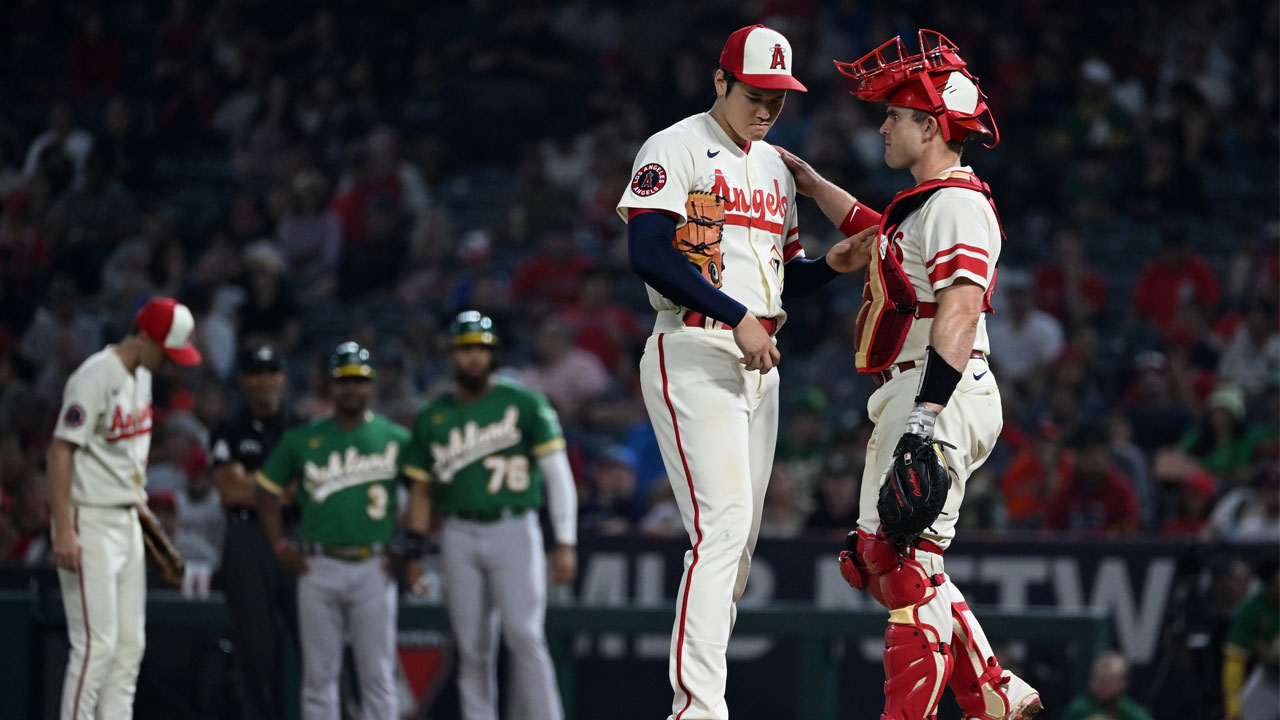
<point>601,325</point>
<point>199,509</point>
<point>568,375</point>
<point>374,260</point>
<point>95,58</point>
<point>24,252</point>
<point>391,169</point>
<point>984,507</point>
<point>75,143</point>
<point>611,504</point>
<point>1192,505</point>
<point>123,145</point>
<point>836,504</point>
<point>1252,512</point>
<point>62,334</point>
<point>1024,339</point>
<point>310,236</point>
<point>1158,418</point>
<point>1251,358</point>
<point>89,221</point>
<point>394,394</point>
<point>1255,635</point>
<point>1107,698</point>
<point>550,276</point>
<point>1220,442</point>
<point>1034,476</point>
<point>271,144</point>
<point>1095,498</point>
<point>270,314</point>
<point>783,515</point>
<point>1176,276</point>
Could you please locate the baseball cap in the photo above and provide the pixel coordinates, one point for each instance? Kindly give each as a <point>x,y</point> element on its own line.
<point>761,57</point>
<point>171,325</point>
<point>349,360</point>
<point>260,358</point>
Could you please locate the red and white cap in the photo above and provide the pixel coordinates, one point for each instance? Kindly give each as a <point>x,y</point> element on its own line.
<point>760,57</point>
<point>171,325</point>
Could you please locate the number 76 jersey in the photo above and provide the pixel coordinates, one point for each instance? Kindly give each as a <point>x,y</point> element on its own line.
<point>480,455</point>
<point>346,478</point>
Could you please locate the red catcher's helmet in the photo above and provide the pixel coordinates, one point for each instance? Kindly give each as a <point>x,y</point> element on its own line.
<point>935,81</point>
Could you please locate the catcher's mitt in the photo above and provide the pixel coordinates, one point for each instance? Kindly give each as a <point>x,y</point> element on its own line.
<point>699,238</point>
<point>913,494</point>
<point>161,554</point>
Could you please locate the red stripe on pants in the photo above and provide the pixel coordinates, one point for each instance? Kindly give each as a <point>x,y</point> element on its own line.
<point>688,581</point>
<point>88,639</point>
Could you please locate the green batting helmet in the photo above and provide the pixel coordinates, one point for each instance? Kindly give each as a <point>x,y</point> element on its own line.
<point>350,360</point>
<point>473,328</point>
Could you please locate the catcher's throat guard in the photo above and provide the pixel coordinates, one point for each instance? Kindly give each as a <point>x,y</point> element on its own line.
<point>699,238</point>
<point>934,80</point>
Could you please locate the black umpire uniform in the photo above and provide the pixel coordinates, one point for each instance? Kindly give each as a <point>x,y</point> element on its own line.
<point>257,587</point>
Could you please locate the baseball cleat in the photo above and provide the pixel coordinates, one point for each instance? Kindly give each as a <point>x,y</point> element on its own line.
<point>1023,698</point>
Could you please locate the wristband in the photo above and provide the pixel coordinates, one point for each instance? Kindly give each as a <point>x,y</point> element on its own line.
<point>937,380</point>
<point>921,421</point>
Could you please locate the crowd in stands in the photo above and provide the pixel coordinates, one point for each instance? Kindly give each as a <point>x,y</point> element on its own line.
<point>305,173</point>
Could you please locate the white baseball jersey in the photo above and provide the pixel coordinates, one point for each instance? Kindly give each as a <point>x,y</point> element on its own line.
<point>761,233</point>
<point>106,412</point>
<point>953,235</point>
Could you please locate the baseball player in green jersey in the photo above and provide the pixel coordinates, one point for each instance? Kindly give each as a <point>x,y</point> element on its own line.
<point>486,450</point>
<point>1254,635</point>
<point>347,466</point>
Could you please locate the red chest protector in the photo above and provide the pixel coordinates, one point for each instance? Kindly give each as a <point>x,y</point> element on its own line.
<point>888,300</point>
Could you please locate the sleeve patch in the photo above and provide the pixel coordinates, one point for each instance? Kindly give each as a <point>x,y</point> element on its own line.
<point>74,416</point>
<point>649,180</point>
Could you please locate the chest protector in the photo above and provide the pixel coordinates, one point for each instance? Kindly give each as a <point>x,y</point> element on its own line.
<point>889,302</point>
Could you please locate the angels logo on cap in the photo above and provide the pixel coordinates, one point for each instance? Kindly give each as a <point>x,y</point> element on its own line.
<point>761,57</point>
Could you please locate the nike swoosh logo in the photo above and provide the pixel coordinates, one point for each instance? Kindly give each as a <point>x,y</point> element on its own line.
<point>712,154</point>
<point>979,376</point>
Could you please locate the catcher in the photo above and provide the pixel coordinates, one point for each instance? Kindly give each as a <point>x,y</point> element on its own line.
<point>922,336</point>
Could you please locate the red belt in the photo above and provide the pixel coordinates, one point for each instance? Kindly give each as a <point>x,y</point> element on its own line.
<point>886,375</point>
<point>698,320</point>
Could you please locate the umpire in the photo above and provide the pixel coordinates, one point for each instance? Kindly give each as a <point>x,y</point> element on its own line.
<point>258,588</point>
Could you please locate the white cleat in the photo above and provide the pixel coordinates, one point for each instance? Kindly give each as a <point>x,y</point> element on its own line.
<point>1023,699</point>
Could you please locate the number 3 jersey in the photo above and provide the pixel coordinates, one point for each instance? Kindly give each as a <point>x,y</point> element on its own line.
<point>346,478</point>
<point>480,455</point>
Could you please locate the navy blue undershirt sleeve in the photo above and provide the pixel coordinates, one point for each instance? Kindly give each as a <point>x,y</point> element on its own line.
<point>804,276</point>
<point>656,260</point>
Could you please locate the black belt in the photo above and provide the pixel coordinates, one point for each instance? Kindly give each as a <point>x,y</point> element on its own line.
<point>488,516</point>
<point>347,553</point>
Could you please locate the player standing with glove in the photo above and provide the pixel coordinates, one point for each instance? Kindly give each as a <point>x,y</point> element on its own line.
<point>922,333</point>
<point>712,230</point>
<point>97,469</point>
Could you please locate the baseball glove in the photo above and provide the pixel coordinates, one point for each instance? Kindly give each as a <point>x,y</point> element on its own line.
<point>161,554</point>
<point>699,238</point>
<point>913,494</point>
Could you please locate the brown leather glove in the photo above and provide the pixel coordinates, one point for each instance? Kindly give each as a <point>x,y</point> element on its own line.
<point>699,238</point>
<point>161,554</point>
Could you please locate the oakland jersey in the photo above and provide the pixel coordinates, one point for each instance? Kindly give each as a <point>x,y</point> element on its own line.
<point>346,478</point>
<point>480,455</point>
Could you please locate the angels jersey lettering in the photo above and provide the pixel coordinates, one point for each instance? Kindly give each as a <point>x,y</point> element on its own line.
<point>106,413</point>
<point>761,233</point>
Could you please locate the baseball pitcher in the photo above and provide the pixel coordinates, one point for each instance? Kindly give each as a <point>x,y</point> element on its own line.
<point>922,336</point>
<point>712,230</point>
<point>97,469</point>
<point>487,449</point>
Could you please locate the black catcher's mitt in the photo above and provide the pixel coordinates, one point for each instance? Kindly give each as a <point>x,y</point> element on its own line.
<point>913,494</point>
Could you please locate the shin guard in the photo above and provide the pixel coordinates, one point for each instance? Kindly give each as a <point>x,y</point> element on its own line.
<point>916,667</point>
<point>977,680</point>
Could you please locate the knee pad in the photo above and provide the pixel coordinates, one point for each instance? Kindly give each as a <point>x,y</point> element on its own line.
<point>977,676</point>
<point>916,667</point>
<point>894,580</point>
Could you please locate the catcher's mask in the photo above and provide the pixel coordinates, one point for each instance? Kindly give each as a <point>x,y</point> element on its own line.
<point>934,80</point>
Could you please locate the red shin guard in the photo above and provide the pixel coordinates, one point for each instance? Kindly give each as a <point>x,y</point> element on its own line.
<point>916,668</point>
<point>977,675</point>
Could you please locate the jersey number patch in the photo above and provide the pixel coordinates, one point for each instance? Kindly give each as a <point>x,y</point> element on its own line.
<point>377,508</point>
<point>510,471</point>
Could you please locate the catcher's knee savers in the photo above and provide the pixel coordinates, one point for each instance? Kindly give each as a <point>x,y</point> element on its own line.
<point>873,563</point>
<point>977,679</point>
